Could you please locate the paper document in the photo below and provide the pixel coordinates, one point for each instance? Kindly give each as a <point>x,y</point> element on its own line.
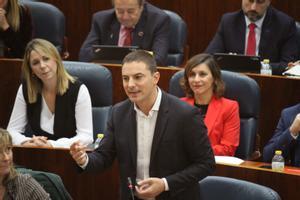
<point>228,160</point>
<point>294,71</point>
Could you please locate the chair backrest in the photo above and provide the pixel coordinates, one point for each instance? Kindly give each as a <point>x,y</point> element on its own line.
<point>216,188</point>
<point>178,34</point>
<point>246,92</point>
<point>48,22</point>
<point>51,182</point>
<point>98,80</point>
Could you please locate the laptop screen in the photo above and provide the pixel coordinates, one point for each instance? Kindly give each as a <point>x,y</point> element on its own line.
<point>238,62</point>
<point>111,54</point>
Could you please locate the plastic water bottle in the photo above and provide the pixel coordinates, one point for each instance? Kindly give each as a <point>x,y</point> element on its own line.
<point>278,161</point>
<point>266,68</point>
<point>98,140</point>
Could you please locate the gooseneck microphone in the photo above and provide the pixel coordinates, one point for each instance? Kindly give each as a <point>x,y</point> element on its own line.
<point>130,186</point>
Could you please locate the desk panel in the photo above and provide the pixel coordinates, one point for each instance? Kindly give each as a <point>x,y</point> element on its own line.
<point>286,183</point>
<point>10,73</point>
<point>106,185</point>
<point>80,185</point>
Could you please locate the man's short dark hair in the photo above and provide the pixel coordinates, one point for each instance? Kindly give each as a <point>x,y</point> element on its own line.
<point>142,56</point>
<point>140,2</point>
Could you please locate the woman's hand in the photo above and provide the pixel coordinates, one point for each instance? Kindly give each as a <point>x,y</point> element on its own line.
<point>3,21</point>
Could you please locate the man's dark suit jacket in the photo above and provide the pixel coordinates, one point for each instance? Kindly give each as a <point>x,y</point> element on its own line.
<point>180,152</point>
<point>282,139</point>
<point>277,41</point>
<point>150,33</point>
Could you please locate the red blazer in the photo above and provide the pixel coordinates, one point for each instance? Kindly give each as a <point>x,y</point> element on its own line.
<point>223,125</point>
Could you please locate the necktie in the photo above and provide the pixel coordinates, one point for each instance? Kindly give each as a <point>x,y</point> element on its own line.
<point>128,39</point>
<point>251,45</point>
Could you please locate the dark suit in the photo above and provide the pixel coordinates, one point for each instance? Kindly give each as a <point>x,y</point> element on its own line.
<point>277,41</point>
<point>282,139</point>
<point>150,33</point>
<point>180,152</point>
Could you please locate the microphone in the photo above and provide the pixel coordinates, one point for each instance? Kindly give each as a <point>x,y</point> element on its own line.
<point>130,186</point>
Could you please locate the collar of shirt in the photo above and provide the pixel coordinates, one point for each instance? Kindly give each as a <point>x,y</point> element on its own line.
<point>258,23</point>
<point>155,107</point>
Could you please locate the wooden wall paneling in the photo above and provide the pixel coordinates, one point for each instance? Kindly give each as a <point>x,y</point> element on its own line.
<point>10,73</point>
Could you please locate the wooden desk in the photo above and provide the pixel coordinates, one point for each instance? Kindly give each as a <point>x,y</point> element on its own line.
<point>286,183</point>
<point>80,185</point>
<point>106,185</point>
<point>10,73</point>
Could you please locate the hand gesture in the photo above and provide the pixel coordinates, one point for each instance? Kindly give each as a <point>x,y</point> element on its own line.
<point>295,127</point>
<point>3,21</point>
<point>149,188</point>
<point>78,153</point>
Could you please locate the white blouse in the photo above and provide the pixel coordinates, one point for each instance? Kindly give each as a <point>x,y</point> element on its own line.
<point>83,116</point>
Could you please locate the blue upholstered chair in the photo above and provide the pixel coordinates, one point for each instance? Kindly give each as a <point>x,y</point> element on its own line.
<point>48,23</point>
<point>246,92</point>
<point>98,80</point>
<point>178,33</point>
<point>216,188</point>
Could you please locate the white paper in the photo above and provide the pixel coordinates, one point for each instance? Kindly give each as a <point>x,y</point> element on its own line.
<point>294,71</point>
<point>228,160</point>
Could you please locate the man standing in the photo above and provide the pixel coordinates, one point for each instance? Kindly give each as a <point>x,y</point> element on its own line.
<point>286,137</point>
<point>130,23</point>
<point>257,29</point>
<point>160,142</point>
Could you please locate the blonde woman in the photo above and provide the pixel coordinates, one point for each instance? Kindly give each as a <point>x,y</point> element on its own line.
<point>52,108</point>
<point>12,184</point>
<point>15,28</point>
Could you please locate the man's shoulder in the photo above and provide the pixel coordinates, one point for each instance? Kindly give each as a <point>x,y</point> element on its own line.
<point>230,16</point>
<point>153,10</point>
<point>122,106</point>
<point>292,110</point>
<point>277,14</point>
<point>104,13</point>
<point>175,104</point>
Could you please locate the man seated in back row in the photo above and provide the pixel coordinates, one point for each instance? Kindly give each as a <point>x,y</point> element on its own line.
<point>130,23</point>
<point>286,137</point>
<point>257,29</point>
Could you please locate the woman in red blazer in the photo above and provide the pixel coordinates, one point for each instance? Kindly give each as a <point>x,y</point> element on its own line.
<point>204,88</point>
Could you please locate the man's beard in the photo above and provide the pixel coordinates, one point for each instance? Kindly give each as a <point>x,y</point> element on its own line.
<point>253,16</point>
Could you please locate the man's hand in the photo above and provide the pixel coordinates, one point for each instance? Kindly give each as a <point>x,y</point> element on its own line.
<point>78,153</point>
<point>149,188</point>
<point>295,127</point>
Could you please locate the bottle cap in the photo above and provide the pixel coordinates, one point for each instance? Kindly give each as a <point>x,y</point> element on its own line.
<point>278,152</point>
<point>100,135</point>
<point>266,61</point>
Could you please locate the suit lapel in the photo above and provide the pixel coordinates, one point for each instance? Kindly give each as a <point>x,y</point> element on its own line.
<point>266,36</point>
<point>139,30</point>
<point>132,131</point>
<point>161,123</point>
<point>240,33</point>
<point>114,32</point>
<point>212,113</point>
